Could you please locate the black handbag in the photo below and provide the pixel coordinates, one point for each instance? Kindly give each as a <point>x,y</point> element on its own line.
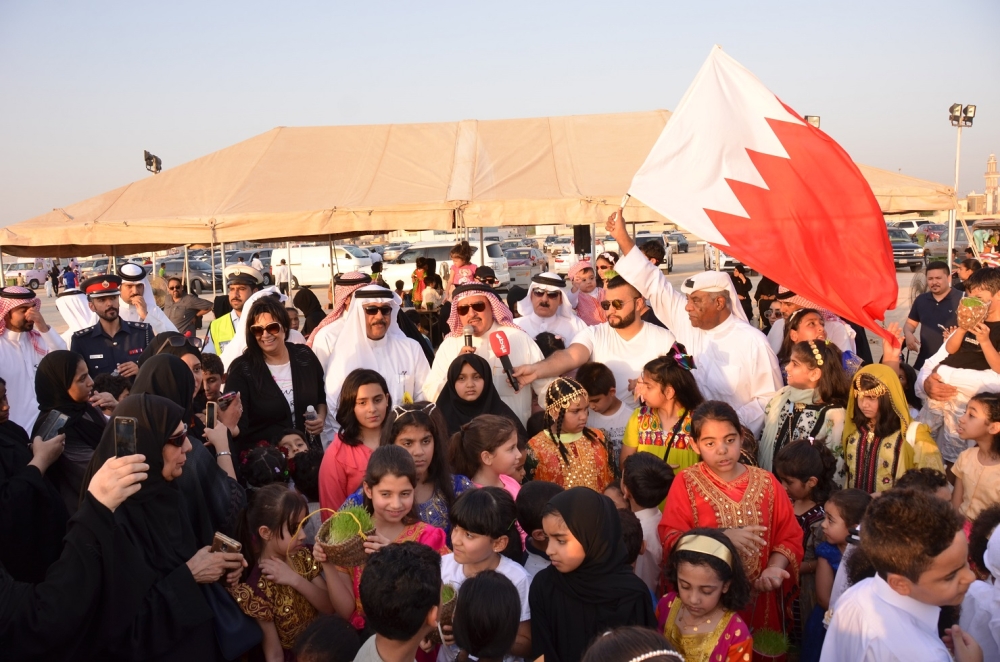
<point>235,631</point>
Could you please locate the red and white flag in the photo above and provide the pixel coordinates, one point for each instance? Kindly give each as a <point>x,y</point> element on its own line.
<point>743,171</point>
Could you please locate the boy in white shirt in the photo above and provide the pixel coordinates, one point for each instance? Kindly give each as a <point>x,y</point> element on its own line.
<point>531,501</point>
<point>646,480</point>
<point>607,412</point>
<point>916,544</point>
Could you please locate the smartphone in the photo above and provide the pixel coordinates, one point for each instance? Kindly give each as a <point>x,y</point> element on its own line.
<point>53,423</point>
<point>124,436</point>
<point>226,399</point>
<point>211,414</point>
<point>223,543</point>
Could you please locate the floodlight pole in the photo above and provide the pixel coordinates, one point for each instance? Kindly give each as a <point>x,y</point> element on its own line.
<point>954,212</point>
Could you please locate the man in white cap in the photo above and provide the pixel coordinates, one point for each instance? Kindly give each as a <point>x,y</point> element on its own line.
<point>837,332</point>
<point>371,338</point>
<point>549,308</point>
<point>242,281</point>
<point>734,362</point>
<point>137,303</point>
<point>25,339</point>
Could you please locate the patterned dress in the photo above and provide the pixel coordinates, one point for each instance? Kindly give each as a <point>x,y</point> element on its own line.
<point>730,641</point>
<point>588,461</point>
<point>874,464</point>
<point>645,433</point>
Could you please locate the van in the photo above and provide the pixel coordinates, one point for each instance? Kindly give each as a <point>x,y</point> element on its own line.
<point>34,277</point>
<point>310,265</point>
<point>402,267</point>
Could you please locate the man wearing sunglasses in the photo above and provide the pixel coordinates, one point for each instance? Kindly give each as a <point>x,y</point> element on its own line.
<point>734,362</point>
<point>183,309</point>
<point>242,281</point>
<point>136,302</point>
<point>549,308</point>
<point>625,343</point>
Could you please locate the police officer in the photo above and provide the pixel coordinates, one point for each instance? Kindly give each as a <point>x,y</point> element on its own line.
<point>242,281</point>
<point>113,344</point>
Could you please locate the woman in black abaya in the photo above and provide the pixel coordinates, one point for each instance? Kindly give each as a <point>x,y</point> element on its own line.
<point>311,308</point>
<point>458,411</point>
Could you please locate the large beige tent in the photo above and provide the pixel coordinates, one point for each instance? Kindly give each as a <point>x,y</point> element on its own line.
<point>317,182</point>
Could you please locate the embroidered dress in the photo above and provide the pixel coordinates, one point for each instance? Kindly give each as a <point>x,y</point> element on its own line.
<point>588,461</point>
<point>729,641</point>
<point>698,498</point>
<point>793,414</point>
<point>434,511</point>
<point>645,433</point>
<point>291,612</point>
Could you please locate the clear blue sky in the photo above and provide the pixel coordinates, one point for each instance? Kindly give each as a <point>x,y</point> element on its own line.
<point>86,86</point>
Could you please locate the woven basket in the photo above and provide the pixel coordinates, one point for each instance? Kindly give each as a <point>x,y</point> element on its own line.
<point>445,615</point>
<point>971,311</point>
<point>348,554</point>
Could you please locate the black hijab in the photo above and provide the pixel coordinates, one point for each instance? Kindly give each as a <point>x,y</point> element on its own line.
<point>167,376</point>
<point>602,593</point>
<point>53,380</point>
<point>457,412</point>
<point>161,345</point>
<point>312,309</point>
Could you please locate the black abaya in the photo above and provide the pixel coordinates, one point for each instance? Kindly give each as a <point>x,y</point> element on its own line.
<point>312,310</point>
<point>457,412</point>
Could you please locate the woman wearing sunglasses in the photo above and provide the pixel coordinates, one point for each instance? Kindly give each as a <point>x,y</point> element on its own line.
<point>277,380</point>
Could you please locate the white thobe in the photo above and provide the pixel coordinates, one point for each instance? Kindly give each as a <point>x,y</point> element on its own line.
<point>625,358</point>
<point>155,317</point>
<point>18,363</point>
<point>981,618</point>
<point>968,382</point>
<point>733,361</point>
<point>837,331</point>
<point>873,623</point>
<point>326,340</point>
<point>559,325</point>
<point>523,351</point>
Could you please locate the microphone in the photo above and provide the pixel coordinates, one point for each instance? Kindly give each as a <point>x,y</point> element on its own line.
<point>501,348</point>
<point>467,334</point>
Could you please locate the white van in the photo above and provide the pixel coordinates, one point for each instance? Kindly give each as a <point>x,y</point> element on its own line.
<point>402,267</point>
<point>311,264</point>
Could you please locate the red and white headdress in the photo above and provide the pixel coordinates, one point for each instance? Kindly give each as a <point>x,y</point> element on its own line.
<point>501,313</point>
<point>344,285</point>
<point>14,297</point>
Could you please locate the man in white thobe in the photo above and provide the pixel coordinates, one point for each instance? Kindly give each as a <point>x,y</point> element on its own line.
<point>477,306</point>
<point>136,301</point>
<point>75,311</point>
<point>837,331</point>
<point>324,337</point>
<point>372,339</point>
<point>25,339</point>
<point>548,308</point>
<point>734,362</point>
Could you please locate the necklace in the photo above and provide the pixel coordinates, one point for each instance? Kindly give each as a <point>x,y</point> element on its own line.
<point>697,624</point>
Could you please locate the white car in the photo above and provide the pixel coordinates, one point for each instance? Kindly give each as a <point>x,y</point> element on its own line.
<point>911,226</point>
<point>716,260</point>
<point>661,238</point>
<point>403,266</point>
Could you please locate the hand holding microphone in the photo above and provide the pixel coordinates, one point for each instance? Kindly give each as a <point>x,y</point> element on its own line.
<point>501,348</point>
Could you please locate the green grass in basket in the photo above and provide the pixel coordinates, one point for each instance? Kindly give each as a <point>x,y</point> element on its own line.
<point>447,593</point>
<point>343,527</point>
<point>769,642</point>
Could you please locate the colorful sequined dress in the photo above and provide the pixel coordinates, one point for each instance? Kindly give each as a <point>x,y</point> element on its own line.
<point>729,641</point>
<point>587,464</point>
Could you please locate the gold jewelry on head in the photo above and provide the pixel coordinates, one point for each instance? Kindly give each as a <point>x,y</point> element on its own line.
<point>876,391</point>
<point>563,401</point>
<point>705,545</point>
<point>816,354</point>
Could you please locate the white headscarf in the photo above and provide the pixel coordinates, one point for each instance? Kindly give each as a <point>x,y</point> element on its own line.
<point>238,344</point>
<point>75,311</point>
<point>716,281</point>
<point>566,305</point>
<point>354,333</point>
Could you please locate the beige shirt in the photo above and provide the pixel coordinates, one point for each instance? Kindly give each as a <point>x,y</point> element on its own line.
<point>981,482</point>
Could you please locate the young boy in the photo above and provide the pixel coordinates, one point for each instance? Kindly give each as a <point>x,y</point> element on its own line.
<point>607,412</point>
<point>400,591</point>
<point>116,385</point>
<point>646,480</point>
<point>531,501</point>
<point>293,317</point>
<point>916,545</point>
<point>214,376</point>
<point>631,536</point>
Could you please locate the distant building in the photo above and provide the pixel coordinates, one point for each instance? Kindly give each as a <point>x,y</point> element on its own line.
<point>991,202</point>
<point>976,203</point>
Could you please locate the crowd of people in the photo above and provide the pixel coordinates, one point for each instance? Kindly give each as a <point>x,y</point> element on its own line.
<point>599,467</point>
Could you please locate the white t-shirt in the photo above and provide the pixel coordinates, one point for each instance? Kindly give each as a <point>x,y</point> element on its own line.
<point>647,566</point>
<point>613,426</point>
<point>283,378</point>
<point>452,573</point>
<point>625,358</point>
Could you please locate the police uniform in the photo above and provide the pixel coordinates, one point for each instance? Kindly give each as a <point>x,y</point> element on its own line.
<point>102,352</point>
<point>223,329</point>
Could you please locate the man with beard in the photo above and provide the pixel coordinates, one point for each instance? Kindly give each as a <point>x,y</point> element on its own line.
<point>624,343</point>
<point>242,281</point>
<point>24,339</point>
<point>113,344</point>
<point>136,302</point>
<point>934,311</point>
<point>549,308</point>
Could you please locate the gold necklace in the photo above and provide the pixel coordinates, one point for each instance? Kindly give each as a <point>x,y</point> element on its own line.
<point>693,627</point>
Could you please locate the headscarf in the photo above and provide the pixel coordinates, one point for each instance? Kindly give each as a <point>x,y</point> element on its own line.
<point>457,412</point>
<point>886,376</point>
<point>546,281</point>
<point>577,268</point>
<point>53,379</point>
<point>354,334</point>
<point>166,376</point>
<point>157,347</point>
<point>501,313</point>
<point>344,285</point>
<point>238,344</point>
<point>716,281</point>
<point>603,592</point>
<point>785,294</point>
<point>13,297</point>
<point>312,309</point>
<point>75,311</point>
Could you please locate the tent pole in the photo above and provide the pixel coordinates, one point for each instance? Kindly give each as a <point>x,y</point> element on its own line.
<point>3,270</point>
<point>593,245</point>
<point>334,254</point>
<point>211,258</point>
<point>482,249</point>
<point>288,247</point>
<point>187,274</point>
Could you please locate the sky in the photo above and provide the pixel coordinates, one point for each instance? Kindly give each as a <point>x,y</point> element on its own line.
<point>86,87</point>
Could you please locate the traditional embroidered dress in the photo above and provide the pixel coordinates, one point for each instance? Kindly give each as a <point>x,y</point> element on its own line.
<point>291,612</point>
<point>645,433</point>
<point>729,641</point>
<point>794,414</point>
<point>588,460</point>
<point>700,498</point>
<point>434,511</point>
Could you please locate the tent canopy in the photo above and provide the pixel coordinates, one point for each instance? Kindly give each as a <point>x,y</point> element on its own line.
<point>317,182</point>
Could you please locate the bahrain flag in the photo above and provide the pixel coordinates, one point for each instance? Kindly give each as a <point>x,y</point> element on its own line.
<point>743,171</point>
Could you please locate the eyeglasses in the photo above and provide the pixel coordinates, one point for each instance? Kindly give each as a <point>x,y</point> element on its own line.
<point>546,293</point>
<point>272,329</point>
<point>178,439</point>
<point>617,303</point>
<point>175,287</point>
<point>479,307</point>
<point>374,310</point>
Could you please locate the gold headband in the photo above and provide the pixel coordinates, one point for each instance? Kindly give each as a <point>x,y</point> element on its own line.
<point>565,400</point>
<point>876,391</point>
<point>816,354</point>
<point>705,545</point>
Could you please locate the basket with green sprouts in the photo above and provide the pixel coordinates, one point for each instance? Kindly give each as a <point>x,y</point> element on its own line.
<point>971,312</point>
<point>343,536</point>
<point>449,596</point>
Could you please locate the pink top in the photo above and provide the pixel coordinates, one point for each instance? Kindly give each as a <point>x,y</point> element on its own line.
<point>341,473</point>
<point>463,274</point>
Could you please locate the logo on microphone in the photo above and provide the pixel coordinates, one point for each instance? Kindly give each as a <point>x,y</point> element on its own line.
<point>501,340</point>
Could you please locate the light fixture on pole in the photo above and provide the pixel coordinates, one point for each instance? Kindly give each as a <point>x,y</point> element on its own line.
<point>153,162</point>
<point>960,117</point>
<point>812,119</point>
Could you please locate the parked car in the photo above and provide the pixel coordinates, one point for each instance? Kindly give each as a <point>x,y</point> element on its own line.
<point>265,258</point>
<point>678,241</point>
<point>200,271</point>
<point>563,262</point>
<point>403,266</point>
<point>311,265</point>
<point>95,267</point>
<point>559,245</point>
<point>905,252</point>
<point>668,258</point>
<point>939,249</point>
<point>523,263</point>
<point>508,244</point>
<point>716,259</point>
<point>33,278</point>
<point>909,226</point>
<point>393,250</point>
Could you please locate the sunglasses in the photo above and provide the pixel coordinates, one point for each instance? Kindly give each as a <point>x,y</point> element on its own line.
<point>178,439</point>
<point>176,287</point>
<point>488,281</point>
<point>546,293</point>
<point>178,341</point>
<point>374,310</point>
<point>479,307</point>
<point>272,329</point>
<point>617,303</point>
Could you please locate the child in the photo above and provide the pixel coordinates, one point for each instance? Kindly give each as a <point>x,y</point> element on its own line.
<point>567,452</point>
<point>293,317</point>
<point>485,450</point>
<point>977,469</point>
<point>282,589</point>
<point>916,546</point>
<point>979,534</point>
<point>631,643</point>
<point>531,501</point>
<point>811,406</point>
<point>881,442</point>
<point>589,587</point>
<point>462,269</point>
<point>116,385</point>
<point>329,638</point>
<point>263,465</point>
<point>213,376</point>
<point>607,413</point>
<point>746,502</point>
<point>979,607</point>
<point>403,295</point>
<point>631,537</point>
<point>614,492</point>
<point>291,442</point>
<point>417,291</point>
<point>662,425</point>
<point>389,483</point>
<point>432,296</point>
<point>484,537</point>
<point>487,617</point>
<point>584,280</point>
<point>604,262</point>
<point>700,619</point>
<point>304,470</point>
<point>645,483</point>
<point>470,392</point>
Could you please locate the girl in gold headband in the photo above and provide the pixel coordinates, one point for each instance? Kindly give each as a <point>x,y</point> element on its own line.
<point>700,618</point>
